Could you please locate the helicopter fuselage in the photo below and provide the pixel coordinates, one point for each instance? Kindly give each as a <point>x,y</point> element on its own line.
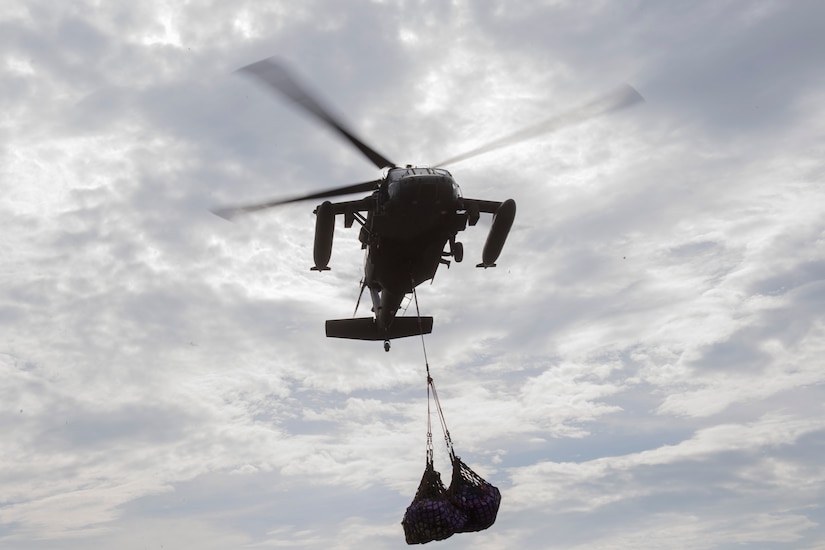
<point>418,212</point>
<point>414,214</point>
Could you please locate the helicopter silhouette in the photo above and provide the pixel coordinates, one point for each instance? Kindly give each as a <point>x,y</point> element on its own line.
<point>412,214</point>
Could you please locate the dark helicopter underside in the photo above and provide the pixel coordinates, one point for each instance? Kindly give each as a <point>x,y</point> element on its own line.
<point>395,268</point>
<point>419,210</point>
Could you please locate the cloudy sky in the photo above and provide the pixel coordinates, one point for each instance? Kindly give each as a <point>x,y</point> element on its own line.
<point>642,370</point>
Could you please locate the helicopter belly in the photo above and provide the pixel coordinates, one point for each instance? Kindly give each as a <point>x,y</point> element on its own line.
<point>413,222</point>
<point>399,265</point>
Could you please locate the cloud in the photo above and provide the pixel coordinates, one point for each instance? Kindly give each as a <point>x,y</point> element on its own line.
<point>641,367</point>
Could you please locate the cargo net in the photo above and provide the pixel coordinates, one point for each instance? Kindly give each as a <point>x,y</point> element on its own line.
<point>432,515</point>
<point>469,504</point>
<point>478,499</point>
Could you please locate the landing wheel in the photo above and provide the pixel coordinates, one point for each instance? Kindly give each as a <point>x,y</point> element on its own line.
<point>386,345</point>
<point>458,252</point>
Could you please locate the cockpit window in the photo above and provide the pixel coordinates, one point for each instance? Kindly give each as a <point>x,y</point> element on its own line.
<point>396,174</point>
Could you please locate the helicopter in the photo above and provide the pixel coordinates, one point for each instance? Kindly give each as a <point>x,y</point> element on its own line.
<point>411,218</point>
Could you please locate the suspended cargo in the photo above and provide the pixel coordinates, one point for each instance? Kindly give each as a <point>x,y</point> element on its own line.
<point>432,515</point>
<point>469,504</point>
<point>474,496</point>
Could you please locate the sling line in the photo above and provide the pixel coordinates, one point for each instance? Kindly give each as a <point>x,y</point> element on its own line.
<point>431,388</point>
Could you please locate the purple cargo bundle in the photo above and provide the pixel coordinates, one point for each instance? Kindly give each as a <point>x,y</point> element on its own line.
<point>475,497</point>
<point>436,513</point>
<point>429,519</point>
<point>431,516</point>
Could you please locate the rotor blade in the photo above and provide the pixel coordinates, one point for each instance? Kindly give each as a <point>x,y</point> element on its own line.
<point>620,98</point>
<point>231,212</point>
<point>269,72</point>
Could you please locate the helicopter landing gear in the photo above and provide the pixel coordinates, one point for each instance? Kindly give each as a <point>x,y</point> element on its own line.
<point>386,345</point>
<point>458,252</point>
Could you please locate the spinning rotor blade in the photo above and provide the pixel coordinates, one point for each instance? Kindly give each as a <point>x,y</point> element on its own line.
<point>231,212</point>
<point>279,79</point>
<point>620,98</point>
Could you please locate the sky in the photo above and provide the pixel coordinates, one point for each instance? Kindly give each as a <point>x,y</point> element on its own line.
<point>643,368</point>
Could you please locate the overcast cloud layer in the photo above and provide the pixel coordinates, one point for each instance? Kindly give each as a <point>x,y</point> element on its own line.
<point>643,369</point>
